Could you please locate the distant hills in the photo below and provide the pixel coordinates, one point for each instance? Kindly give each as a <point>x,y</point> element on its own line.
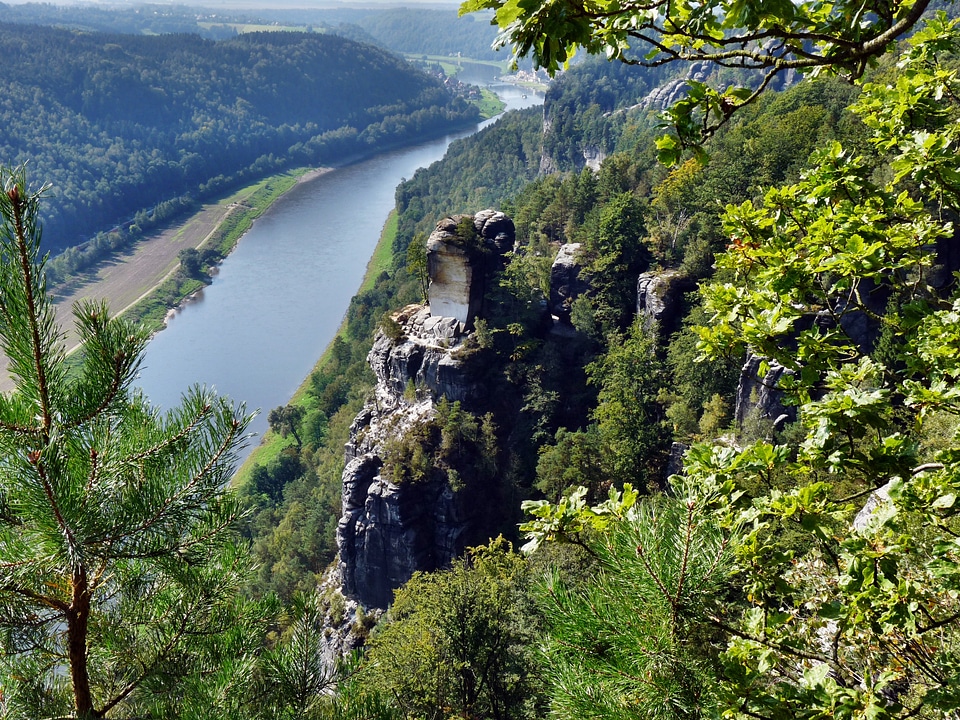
<point>428,30</point>
<point>122,122</point>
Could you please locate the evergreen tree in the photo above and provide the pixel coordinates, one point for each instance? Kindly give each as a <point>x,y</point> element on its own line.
<point>119,566</point>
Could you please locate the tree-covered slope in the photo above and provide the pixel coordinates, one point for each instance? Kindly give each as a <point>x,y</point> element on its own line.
<point>118,123</point>
<point>417,30</point>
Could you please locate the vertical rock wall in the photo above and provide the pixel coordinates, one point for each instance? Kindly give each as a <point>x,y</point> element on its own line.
<point>387,531</point>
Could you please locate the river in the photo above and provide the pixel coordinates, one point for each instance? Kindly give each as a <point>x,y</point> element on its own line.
<point>257,330</point>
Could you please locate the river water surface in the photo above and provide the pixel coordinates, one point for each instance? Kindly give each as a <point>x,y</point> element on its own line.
<point>256,331</point>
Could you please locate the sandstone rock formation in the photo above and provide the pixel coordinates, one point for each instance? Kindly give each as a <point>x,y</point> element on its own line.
<point>387,531</point>
<point>565,282</point>
<point>658,298</point>
<point>460,253</point>
<point>761,395</point>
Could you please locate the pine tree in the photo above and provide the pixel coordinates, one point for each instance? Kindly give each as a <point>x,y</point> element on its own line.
<point>118,562</point>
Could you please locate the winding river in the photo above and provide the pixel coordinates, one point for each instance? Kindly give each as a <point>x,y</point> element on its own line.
<point>256,331</point>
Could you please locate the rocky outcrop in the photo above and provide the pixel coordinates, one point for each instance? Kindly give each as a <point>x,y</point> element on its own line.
<point>497,230</point>
<point>593,157</point>
<point>678,451</point>
<point>565,282</point>
<point>659,295</point>
<point>454,290</point>
<point>663,96</point>
<point>422,356</point>
<point>672,91</point>
<point>461,252</point>
<point>761,396</point>
<point>387,531</point>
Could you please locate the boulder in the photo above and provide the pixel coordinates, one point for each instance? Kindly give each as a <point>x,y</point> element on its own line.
<point>496,229</point>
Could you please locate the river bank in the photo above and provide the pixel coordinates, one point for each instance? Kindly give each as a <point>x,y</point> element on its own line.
<point>271,443</point>
<point>142,282</point>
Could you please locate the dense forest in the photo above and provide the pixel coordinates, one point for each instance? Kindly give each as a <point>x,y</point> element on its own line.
<point>123,123</point>
<point>603,408</point>
<point>551,398</point>
<point>737,497</point>
<point>415,30</point>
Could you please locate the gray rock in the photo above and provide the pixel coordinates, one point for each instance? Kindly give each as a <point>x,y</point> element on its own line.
<point>565,283</point>
<point>762,395</point>
<point>875,500</point>
<point>658,297</point>
<point>396,531</point>
<point>675,461</point>
<point>496,229</point>
<point>387,532</point>
<point>662,97</point>
<point>593,157</point>
<point>458,269</point>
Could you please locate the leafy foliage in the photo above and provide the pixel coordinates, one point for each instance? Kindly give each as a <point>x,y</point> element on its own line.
<point>809,609</point>
<point>837,38</point>
<point>459,642</point>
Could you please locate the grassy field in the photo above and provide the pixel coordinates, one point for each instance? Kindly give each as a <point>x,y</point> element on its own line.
<point>455,65</point>
<point>490,105</point>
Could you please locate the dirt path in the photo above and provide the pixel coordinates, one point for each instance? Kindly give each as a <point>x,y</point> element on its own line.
<point>126,280</point>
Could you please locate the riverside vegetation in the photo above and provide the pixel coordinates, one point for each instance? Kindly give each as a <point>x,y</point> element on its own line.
<point>749,585</point>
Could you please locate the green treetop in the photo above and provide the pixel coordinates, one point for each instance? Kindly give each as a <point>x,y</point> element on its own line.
<point>118,563</point>
<point>816,578</point>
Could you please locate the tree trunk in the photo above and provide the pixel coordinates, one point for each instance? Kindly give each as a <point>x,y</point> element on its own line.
<point>78,617</point>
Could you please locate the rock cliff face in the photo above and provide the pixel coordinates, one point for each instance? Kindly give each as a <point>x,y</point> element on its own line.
<point>388,531</point>
<point>457,260</point>
<point>565,282</point>
<point>658,299</point>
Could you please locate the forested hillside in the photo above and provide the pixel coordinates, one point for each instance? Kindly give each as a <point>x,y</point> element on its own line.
<point>417,30</point>
<point>121,123</point>
<point>785,336</point>
<point>707,375</point>
<point>537,383</point>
